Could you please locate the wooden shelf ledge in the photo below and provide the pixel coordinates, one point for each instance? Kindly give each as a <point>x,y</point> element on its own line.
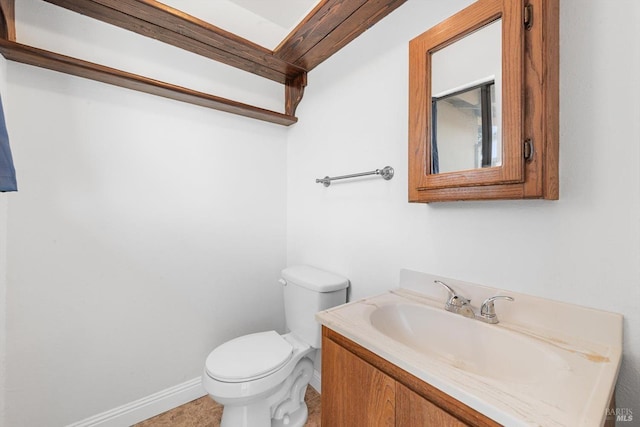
<point>329,27</point>
<point>42,58</point>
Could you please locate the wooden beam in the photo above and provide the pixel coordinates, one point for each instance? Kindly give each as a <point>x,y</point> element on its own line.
<point>322,20</point>
<point>355,24</point>
<point>7,20</point>
<point>53,61</point>
<point>156,20</point>
<point>330,27</point>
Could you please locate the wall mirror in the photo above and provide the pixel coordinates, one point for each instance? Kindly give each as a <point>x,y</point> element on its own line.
<point>466,102</point>
<point>483,104</point>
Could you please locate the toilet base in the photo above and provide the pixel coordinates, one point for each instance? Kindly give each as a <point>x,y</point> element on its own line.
<point>284,407</point>
<point>258,415</point>
<point>294,419</point>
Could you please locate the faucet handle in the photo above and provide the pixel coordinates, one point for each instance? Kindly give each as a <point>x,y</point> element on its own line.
<point>488,310</point>
<point>454,300</point>
<point>452,293</point>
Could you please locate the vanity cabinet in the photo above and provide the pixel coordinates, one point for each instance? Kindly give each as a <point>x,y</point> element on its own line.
<point>414,410</point>
<point>357,394</point>
<point>359,388</point>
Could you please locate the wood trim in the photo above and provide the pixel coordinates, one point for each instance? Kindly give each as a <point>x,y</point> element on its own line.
<point>294,90</point>
<point>542,83</point>
<point>7,20</point>
<point>53,61</point>
<point>453,194</point>
<point>322,20</point>
<point>440,399</point>
<point>156,20</point>
<point>12,50</point>
<point>330,27</point>
<point>371,12</point>
<point>306,46</point>
<point>456,27</point>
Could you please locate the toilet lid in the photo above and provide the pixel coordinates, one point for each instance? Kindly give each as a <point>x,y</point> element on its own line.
<point>249,357</point>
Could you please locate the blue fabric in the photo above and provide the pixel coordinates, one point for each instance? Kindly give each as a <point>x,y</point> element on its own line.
<point>7,171</point>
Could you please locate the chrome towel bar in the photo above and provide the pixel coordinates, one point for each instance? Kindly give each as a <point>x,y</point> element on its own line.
<point>386,173</point>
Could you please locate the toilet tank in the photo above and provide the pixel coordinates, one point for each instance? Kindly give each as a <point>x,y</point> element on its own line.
<point>308,290</point>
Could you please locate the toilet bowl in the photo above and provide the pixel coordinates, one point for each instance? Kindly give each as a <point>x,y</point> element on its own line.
<point>261,378</point>
<point>253,377</point>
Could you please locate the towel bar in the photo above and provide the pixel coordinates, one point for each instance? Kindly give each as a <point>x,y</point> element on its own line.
<point>386,173</point>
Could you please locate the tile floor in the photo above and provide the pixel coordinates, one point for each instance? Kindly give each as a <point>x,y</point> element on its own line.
<point>204,412</point>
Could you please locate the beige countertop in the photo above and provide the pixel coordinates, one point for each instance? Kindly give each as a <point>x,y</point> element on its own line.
<point>546,363</point>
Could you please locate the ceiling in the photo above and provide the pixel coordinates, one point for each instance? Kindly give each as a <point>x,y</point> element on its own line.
<point>264,22</point>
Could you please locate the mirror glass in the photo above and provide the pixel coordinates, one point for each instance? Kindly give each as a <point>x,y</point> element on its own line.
<point>466,97</point>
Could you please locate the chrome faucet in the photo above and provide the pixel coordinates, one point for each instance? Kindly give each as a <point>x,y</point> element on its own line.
<point>488,311</point>
<point>461,305</point>
<point>457,303</point>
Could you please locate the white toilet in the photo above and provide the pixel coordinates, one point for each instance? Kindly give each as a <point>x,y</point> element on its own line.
<point>261,378</point>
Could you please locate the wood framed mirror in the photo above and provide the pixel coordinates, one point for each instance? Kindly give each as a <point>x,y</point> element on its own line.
<point>483,104</point>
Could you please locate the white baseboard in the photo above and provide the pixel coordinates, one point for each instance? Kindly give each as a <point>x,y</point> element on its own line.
<point>146,407</point>
<point>316,381</point>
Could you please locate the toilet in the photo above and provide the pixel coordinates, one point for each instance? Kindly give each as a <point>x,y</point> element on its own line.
<point>261,378</point>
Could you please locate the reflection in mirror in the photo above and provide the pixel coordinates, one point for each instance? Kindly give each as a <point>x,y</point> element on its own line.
<point>465,120</point>
<point>466,88</point>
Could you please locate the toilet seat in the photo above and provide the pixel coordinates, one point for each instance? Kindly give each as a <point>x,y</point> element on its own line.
<point>248,357</point>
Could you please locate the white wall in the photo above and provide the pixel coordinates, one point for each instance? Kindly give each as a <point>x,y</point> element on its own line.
<point>583,249</point>
<point>3,303</point>
<point>145,232</point>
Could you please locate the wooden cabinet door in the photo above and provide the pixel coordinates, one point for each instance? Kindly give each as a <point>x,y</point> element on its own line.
<point>412,410</point>
<point>354,393</point>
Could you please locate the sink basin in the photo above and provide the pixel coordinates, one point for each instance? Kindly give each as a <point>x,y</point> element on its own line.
<point>468,344</point>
